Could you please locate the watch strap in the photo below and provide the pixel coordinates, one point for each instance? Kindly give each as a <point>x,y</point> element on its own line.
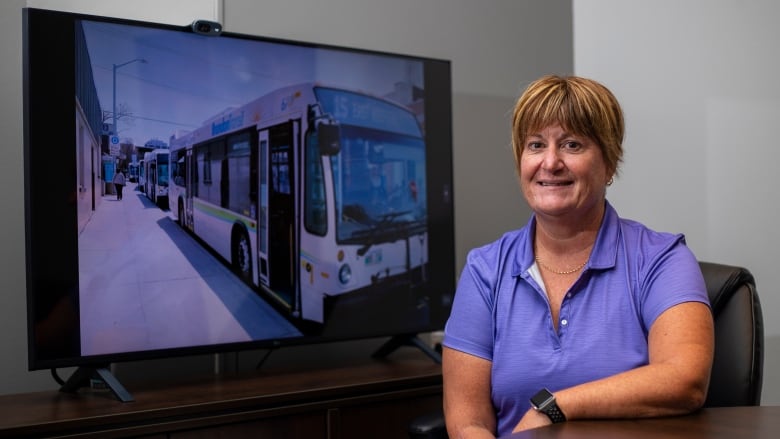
<point>554,413</point>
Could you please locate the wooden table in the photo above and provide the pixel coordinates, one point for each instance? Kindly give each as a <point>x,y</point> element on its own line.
<point>711,423</point>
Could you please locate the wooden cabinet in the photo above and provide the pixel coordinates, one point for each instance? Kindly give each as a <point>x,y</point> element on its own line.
<point>376,399</point>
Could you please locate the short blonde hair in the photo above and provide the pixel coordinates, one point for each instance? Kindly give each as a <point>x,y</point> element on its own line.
<point>581,106</point>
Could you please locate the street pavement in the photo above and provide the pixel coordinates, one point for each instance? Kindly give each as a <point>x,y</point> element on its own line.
<point>146,284</point>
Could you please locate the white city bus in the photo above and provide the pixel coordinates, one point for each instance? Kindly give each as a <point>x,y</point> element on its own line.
<point>308,192</point>
<point>155,176</point>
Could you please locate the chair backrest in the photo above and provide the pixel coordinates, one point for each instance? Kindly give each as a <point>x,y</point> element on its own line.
<point>738,367</point>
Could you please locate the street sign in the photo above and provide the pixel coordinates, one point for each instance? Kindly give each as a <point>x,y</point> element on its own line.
<point>114,147</point>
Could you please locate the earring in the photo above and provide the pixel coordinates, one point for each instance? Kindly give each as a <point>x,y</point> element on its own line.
<point>611,180</point>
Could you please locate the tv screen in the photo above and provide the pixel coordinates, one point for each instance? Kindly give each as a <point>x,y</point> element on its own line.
<point>275,192</point>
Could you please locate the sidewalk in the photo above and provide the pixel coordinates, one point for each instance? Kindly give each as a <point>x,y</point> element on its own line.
<point>147,284</point>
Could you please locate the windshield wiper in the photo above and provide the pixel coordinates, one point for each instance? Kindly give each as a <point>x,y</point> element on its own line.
<point>387,229</point>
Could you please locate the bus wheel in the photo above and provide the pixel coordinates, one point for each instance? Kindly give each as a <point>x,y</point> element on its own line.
<point>242,256</point>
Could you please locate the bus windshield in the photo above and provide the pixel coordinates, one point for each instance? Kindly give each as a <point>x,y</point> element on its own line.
<point>162,171</point>
<point>379,180</point>
<point>379,173</point>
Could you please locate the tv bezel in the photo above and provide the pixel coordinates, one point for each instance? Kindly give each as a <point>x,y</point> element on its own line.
<point>49,89</point>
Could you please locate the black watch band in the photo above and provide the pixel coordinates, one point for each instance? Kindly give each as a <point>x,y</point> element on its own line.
<point>544,401</point>
<point>554,413</point>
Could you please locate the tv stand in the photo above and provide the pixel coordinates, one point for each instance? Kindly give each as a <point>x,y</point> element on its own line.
<point>361,398</point>
<point>412,340</point>
<point>82,376</point>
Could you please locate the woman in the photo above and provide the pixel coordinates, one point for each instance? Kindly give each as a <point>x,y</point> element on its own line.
<point>119,183</point>
<point>588,314</point>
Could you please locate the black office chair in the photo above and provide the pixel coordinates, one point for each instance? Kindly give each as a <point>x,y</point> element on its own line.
<point>738,366</point>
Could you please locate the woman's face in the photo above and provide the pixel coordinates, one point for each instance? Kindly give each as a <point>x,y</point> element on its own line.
<point>562,174</point>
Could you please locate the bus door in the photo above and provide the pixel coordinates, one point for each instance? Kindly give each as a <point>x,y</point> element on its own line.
<point>281,233</point>
<point>262,208</point>
<point>151,181</point>
<point>190,185</point>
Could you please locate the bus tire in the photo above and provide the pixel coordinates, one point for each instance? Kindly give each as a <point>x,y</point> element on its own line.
<point>242,255</point>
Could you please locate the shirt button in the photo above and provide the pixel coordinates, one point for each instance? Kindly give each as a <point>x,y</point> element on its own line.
<point>564,322</point>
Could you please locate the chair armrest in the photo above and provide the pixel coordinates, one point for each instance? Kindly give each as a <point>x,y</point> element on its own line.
<point>428,426</point>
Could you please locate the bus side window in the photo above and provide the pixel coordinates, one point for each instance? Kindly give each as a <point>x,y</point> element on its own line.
<point>207,168</point>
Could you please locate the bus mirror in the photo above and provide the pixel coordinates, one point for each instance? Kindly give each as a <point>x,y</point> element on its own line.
<point>328,136</point>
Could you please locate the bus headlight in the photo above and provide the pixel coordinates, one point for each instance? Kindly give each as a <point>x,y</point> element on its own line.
<point>345,274</point>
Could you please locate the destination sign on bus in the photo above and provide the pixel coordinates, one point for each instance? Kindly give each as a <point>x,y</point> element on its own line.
<point>360,110</point>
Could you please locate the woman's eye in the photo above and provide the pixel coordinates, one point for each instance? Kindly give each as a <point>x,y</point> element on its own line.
<point>534,146</point>
<point>571,145</point>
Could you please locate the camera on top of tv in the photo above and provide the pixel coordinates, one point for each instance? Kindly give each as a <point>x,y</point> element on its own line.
<point>205,27</point>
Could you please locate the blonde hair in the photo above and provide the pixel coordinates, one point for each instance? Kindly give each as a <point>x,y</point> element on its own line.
<point>581,106</point>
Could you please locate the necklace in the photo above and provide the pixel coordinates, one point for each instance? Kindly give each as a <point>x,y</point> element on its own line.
<point>552,270</point>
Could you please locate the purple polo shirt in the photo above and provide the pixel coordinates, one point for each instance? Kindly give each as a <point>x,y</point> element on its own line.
<point>500,313</point>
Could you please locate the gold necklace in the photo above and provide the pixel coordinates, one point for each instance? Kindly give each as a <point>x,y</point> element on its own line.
<point>552,270</point>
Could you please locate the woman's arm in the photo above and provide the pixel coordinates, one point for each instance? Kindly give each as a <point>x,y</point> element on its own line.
<point>680,345</point>
<point>468,409</point>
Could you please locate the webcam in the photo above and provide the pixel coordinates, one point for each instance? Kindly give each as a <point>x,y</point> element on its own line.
<point>208,28</point>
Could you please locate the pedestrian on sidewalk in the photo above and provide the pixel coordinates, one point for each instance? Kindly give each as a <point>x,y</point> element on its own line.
<point>119,183</point>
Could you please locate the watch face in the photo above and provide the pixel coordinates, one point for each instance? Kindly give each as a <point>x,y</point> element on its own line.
<point>541,398</point>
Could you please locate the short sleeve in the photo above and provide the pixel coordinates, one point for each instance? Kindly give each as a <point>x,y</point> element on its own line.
<point>470,326</point>
<point>673,277</point>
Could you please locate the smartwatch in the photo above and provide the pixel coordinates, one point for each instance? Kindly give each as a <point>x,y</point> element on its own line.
<point>544,401</point>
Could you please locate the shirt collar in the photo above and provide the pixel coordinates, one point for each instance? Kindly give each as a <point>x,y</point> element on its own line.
<point>602,256</point>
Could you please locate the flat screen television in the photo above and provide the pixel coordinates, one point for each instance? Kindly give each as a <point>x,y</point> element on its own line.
<point>276,192</point>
